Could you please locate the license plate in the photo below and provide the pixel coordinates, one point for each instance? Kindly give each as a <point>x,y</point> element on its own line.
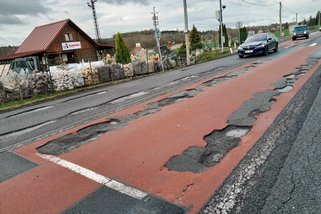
<point>249,51</point>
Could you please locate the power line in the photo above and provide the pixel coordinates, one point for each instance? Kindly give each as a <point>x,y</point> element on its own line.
<point>266,5</point>
<point>289,9</point>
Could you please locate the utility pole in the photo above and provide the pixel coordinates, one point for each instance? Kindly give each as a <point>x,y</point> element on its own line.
<point>188,60</point>
<point>221,20</point>
<point>280,18</point>
<point>238,26</point>
<point>157,36</point>
<point>92,6</point>
<point>319,18</point>
<point>296,18</point>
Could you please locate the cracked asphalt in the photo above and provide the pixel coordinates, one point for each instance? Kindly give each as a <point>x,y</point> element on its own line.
<point>236,140</point>
<point>298,185</point>
<point>281,173</point>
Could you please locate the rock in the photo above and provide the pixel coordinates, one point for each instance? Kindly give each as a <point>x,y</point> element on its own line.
<point>128,70</point>
<point>104,73</point>
<point>151,67</point>
<point>140,68</point>
<point>67,79</point>
<point>157,67</point>
<point>36,83</point>
<point>117,72</point>
<point>91,76</point>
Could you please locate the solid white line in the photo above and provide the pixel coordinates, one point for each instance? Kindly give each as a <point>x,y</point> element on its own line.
<point>115,185</point>
<point>138,94</point>
<point>313,44</point>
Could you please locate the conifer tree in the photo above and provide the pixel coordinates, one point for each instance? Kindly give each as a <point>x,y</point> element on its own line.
<point>195,39</point>
<point>122,52</point>
<point>226,39</point>
<point>243,32</point>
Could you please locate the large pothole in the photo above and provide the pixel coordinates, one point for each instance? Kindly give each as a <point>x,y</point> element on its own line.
<point>220,142</point>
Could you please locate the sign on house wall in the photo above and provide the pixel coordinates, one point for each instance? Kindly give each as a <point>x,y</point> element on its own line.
<point>70,46</point>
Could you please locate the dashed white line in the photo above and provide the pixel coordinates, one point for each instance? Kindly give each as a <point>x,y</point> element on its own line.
<point>313,44</point>
<point>138,94</point>
<point>115,185</point>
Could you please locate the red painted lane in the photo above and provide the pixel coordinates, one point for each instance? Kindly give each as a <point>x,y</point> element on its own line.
<point>136,154</point>
<point>45,189</point>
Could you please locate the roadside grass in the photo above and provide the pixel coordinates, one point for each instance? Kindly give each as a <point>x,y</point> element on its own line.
<point>286,33</point>
<point>35,99</point>
<point>53,95</point>
<point>213,54</point>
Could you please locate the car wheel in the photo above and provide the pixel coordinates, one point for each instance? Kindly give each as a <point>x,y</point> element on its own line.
<point>293,39</point>
<point>307,37</point>
<point>266,51</point>
<point>241,56</point>
<point>276,48</point>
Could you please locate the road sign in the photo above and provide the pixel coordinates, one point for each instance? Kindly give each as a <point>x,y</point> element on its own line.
<point>157,34</point>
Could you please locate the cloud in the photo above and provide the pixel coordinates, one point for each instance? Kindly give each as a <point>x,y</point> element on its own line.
<point>10,20</point>
<point>18,7</point>
<point>124,2</point>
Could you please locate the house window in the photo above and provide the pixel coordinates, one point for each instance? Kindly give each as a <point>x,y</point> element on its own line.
<point>69,37</point>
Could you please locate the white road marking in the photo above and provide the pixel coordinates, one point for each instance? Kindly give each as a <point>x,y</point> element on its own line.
<point>138,94</point>
<point>115,185</point>
<point>313,44</point>
<point>27,130</point>
<point>103,92</point>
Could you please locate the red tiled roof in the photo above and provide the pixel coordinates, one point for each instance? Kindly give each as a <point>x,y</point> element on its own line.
<point>19,55</point>
<point>41,37</point>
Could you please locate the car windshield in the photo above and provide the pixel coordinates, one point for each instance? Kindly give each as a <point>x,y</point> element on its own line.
<point>257,38</point>
<point>300,28</point>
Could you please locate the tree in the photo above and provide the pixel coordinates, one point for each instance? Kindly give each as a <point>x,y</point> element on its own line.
<point>122,52</point>
<point>182,50</point>
<point>195,39</point>
<point>226,40</point>
<point>243,34</point>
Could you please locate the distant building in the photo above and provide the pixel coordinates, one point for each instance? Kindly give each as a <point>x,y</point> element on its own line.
<point>58,42</point>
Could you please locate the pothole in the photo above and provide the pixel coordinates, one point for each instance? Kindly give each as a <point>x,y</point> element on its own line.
<point>219,143</point>
<point>71,141</point>
<point>237,133</point>
<point>285,89</point>
<point>85,135</point>
<point>215,81</point>
<point>178,97</point>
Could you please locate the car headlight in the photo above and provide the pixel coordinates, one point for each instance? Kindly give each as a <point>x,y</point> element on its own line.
<point>260,46</point>
<point>240,49</point>
<point>294,33</point>
<point>304,32</point>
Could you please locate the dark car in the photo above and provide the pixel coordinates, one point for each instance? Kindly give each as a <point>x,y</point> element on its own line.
<point>300,31</point>
<point>257,44</point>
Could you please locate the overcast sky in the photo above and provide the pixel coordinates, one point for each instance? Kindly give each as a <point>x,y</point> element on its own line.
<point>19,17</point>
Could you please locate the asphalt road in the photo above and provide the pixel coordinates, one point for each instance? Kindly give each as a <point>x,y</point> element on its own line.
<point>23,126</point>
<point>245,130</point>
<point>281,172</point>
